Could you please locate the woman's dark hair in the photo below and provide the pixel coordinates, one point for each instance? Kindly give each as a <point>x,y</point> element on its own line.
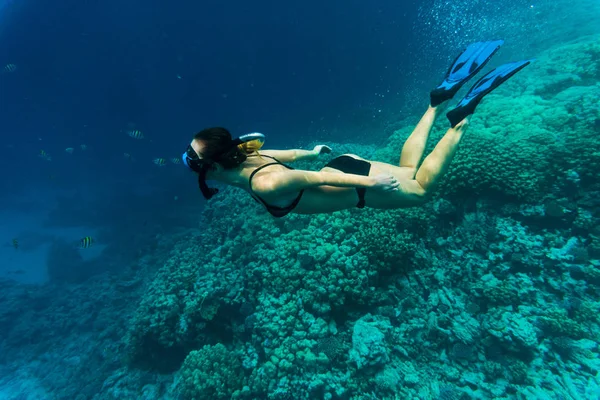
<point>216,141</point>
<point>219,147</point>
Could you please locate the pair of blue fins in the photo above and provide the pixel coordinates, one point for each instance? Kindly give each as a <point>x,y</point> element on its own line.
<point>466,66</point>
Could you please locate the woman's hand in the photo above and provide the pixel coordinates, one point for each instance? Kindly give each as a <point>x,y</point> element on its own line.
<point>322,149</point>
<point>385,182</point>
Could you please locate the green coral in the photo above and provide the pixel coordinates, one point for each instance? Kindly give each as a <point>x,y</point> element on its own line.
<point>211,373</point>
<point>556,323</point>
<point>177,306</point>
<point>502,294</point>
<point>389,238</point>
<point>385,247</point>
<point>492,370</point>
<point>587,312</point>
<point>517,372</point>
<point>332,346</point>
<point>592,274</point>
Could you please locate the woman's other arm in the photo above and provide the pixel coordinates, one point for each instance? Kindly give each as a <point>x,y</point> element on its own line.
<point>287,156</point>
<point>296,180</point>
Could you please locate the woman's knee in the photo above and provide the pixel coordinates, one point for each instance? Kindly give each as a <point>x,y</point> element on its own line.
<point>418,194</point>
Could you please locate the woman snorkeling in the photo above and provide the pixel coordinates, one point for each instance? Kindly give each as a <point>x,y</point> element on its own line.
<point>349,180</point>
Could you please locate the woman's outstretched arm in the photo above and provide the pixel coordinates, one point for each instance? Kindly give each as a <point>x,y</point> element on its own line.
<point>287,156</point>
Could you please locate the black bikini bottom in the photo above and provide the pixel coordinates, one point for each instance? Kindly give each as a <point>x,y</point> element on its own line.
<point>351,165</point>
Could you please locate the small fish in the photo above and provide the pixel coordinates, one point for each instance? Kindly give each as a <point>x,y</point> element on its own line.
<point>15,243</point>
<point>136,134</point>
<point>10,68</point>
<point>45,156</point>
<point>69,150</point>
<point>128,156</point>
<point>83,147</point>
<point>161,162</point>
<point>176,160</point>
<point>86,242</point>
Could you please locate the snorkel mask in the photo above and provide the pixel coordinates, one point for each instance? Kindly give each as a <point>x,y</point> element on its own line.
<point>229,158</point>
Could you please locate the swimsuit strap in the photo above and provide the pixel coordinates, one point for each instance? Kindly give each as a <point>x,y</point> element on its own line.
<point>275,211</point>
<point>276,161</point>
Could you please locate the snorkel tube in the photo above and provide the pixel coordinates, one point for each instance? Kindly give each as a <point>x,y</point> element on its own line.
<point>250,137</point>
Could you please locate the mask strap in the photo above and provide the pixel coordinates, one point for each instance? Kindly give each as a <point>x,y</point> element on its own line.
<point>207,192</point>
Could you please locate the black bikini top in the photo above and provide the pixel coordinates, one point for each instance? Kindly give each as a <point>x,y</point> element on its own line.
<point>275,211</point>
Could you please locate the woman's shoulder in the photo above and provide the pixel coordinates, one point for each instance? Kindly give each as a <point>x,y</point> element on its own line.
<point>270,176</point>
<point>264,178</point>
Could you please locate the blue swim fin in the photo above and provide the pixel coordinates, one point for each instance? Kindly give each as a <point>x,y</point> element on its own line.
<point>465,66</point>
<point>485,85</point>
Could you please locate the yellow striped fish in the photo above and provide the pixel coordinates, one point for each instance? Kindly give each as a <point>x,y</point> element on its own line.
<point>176,160</point>
<point>136,134</point>
<point>86,242</point>
<point>161,162</point>
<point>10,68</point>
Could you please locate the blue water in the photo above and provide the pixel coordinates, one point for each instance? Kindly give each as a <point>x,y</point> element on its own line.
<point>77,76</point>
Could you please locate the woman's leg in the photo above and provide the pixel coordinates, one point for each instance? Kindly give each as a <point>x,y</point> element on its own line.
<point>414,147</point>
<point>416,190</point>
<point>437,162</point>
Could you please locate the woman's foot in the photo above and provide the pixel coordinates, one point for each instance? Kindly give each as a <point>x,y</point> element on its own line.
<point>485,85</point>
<point>465,66</point>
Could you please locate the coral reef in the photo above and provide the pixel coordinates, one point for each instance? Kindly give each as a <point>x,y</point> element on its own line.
<point>489,291</point>
<point>446,301</point>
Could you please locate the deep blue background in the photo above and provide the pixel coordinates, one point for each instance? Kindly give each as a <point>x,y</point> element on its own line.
<point>89,70</point>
